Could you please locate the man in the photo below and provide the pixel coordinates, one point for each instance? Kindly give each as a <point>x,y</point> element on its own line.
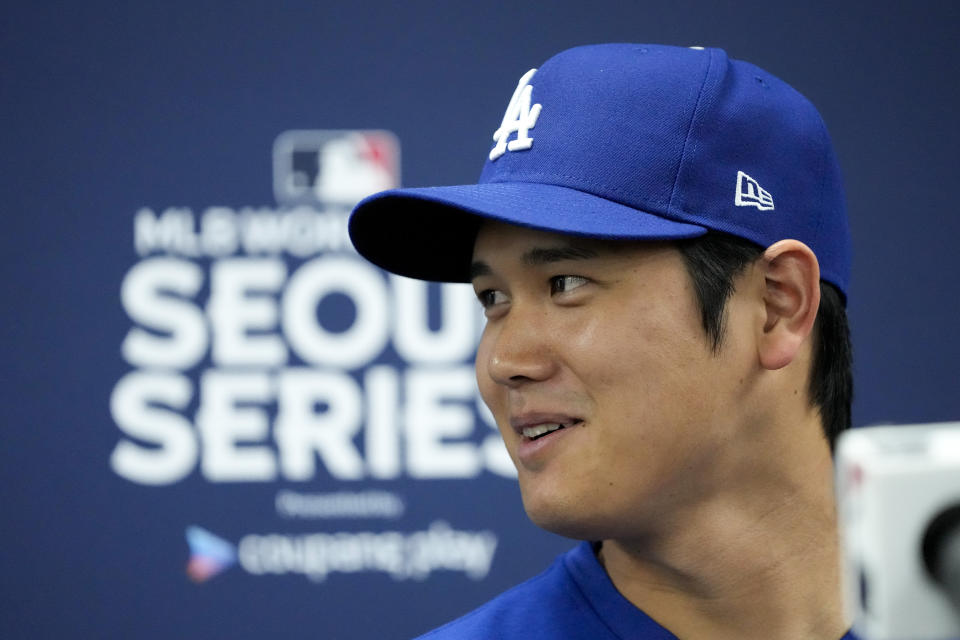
<point>660,245</point>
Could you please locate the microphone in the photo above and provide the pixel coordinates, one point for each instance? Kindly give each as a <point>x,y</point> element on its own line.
<point>898,501</point>
<point>941,552</point>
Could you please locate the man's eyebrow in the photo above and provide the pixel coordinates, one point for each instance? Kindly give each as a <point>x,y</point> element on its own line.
<point>479,268</point>
<point>545,255</point>
<point>540,256</point>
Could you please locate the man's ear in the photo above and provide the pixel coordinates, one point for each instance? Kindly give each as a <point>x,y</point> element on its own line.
<point>792,298</point>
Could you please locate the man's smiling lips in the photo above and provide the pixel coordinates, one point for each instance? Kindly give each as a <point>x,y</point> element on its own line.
<point>538,434</point>
<point>533,426</point>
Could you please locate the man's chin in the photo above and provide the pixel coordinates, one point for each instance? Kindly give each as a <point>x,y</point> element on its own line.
<point>563,519</point>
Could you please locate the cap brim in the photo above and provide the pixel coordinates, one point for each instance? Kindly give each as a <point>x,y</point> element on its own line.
<point>428,233</point>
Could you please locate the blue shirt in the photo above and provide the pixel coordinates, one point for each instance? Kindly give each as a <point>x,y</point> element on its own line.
<point>574,599</point>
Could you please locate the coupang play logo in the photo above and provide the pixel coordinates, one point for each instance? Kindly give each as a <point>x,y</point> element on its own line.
<point>262,349</point>
<point>402,555</point>
<point>209,554</point>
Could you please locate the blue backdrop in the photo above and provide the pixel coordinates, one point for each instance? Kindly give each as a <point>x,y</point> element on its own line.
<point>218,422</point>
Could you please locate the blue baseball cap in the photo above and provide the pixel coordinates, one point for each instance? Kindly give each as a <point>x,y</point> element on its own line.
<point>625,141</point>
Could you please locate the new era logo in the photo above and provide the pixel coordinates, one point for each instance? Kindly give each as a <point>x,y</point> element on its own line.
<point>751,194</point>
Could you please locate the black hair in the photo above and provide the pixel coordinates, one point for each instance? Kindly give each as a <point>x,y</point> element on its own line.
<point>714,260</point>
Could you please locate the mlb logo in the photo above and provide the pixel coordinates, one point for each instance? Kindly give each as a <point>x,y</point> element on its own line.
<point>337,168</point>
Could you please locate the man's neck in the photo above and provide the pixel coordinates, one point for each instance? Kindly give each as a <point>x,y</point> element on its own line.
<point>764,566</point>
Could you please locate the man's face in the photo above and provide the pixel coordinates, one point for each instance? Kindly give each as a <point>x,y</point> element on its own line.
<point>604,340</point>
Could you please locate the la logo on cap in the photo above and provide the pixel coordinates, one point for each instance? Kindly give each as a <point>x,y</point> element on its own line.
<point>520,117</point>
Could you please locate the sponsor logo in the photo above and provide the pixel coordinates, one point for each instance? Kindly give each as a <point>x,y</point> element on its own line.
<point>209,554</point>
<point>402,555</point>
<point>749,193</point>
<point>340,167</point>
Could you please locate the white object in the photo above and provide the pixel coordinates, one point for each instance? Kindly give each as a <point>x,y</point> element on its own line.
<point>519,117</point>
<point>750,194</point>
<point>891,483</point>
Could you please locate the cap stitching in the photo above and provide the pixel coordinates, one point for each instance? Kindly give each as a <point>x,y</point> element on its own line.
<point>822,169</point>
<point>533,178</point>
<point>686,140</point>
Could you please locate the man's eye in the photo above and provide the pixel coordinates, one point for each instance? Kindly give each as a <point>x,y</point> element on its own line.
<point>562,284</point>
<point>490,297</point>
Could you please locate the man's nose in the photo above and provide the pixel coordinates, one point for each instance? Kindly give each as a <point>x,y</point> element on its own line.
<point>521,348</point>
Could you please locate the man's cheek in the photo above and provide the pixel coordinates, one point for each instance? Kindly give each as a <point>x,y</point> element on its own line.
<point>484,382</point>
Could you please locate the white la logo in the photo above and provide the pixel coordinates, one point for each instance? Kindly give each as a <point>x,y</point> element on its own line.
<point>519,117</point>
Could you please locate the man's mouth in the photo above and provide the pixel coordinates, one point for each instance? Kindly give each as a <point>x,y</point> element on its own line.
<point>537,431</point>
